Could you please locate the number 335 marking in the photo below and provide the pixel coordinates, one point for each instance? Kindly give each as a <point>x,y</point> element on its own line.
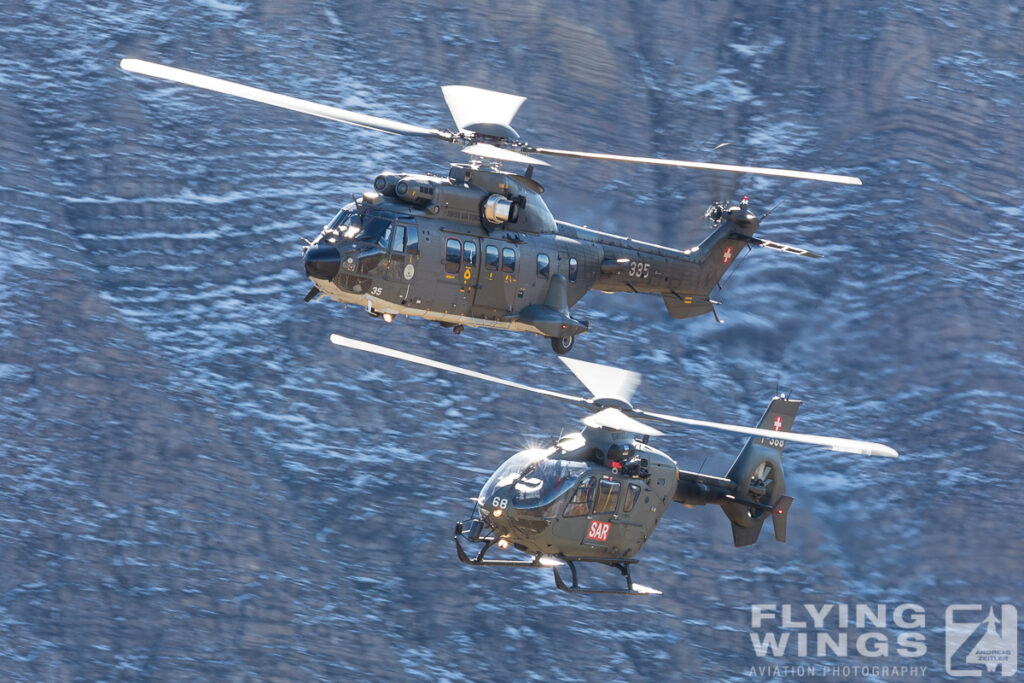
<point>638,269</point>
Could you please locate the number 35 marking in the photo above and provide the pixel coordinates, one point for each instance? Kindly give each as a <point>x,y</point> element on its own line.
<point>638,269</point>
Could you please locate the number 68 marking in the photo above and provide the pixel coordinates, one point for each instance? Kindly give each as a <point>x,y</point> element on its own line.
<point>638,269</point>
<point>500,503</point>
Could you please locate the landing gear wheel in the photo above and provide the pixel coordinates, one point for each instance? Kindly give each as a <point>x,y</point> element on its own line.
<point>563,345</point>
<point>457,329</point>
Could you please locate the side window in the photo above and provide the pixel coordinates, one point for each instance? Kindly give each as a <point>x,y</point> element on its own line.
<point>632,495</point>
<point>491,257</point>
<point>607,496</point>
<point>385,237</point>
<point>579,504</point>
<point>398,239</point>
<point>469,253</point>
<point>508,260</point>
<point>452,256</point>
<point>574,269</point>
<point>543,265</point>
<point>412,241</point>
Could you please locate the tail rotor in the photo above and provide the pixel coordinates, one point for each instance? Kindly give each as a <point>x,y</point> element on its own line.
<point>758,477</point>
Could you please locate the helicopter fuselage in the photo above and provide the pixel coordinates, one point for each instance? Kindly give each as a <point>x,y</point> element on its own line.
<point>568,501</point>
<point>481,248</point>
<point>488,252</point>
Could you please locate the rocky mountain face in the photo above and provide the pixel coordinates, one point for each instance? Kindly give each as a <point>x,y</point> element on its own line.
<point>195,485</point>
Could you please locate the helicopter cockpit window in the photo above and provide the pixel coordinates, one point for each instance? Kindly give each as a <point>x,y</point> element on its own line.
<point>412,240</point>
<point>469,254</point>
<point>543,481</point>
<point>607,497</point>
<point>452,256</point>
<point>339,218</point>
<point>543,265</point>
<point>367,228</point>
<point>491,257</point>
<point>385,237</point>
<point>579,504</point>
<point>632,495</point>
<point>574,269</point>
<point>508,260</point>
<point>398,238</point>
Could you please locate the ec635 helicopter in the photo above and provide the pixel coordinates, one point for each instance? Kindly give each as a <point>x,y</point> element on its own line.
<point>479,246</point>
<point>596,496</point>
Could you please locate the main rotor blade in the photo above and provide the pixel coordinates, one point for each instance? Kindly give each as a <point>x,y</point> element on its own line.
<point>411,358</point>
<point>780,172</point>
<point>170,73</point>
<point>481,149</point>
<point>473,106</point>
<point>604,381</point>
<point>613,418</point>
<point>835,443</point>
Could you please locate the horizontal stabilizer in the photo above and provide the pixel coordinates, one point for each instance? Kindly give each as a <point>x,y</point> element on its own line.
<point>778,246</point>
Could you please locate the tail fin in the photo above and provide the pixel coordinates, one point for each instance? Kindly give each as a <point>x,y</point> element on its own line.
<point>719,250</point>
<point>734,226</point>
<point>760,483</point>
<point>779,417</point>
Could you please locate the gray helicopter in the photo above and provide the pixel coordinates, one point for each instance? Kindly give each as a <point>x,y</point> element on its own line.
<point>596,496</point>
<point>479,246</point>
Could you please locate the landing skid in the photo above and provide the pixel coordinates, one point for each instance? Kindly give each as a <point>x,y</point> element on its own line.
<point>622,565</point>
<point>476,533</point>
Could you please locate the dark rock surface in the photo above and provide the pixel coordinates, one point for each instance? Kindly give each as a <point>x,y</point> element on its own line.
<point>195,485</point>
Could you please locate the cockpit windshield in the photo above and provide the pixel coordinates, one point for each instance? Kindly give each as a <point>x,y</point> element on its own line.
<point>365,227</point>
<point>535,480</point>
<point>546,482</point>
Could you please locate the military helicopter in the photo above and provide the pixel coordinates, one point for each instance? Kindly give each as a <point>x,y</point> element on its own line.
<point>596,496</point>
<point>479,246</point>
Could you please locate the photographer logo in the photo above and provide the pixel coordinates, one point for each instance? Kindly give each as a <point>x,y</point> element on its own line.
<point>979,642</point>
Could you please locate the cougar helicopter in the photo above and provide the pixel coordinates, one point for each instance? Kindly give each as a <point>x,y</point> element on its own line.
<point>479,246</point>
<point>596,496</point>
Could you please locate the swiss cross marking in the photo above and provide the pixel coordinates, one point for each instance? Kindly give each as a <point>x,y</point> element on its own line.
<point>598,531</point>
<point>777,424</point>
<point>727,255</point>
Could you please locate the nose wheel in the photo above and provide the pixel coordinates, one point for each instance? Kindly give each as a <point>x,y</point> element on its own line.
<point>563,345</point>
